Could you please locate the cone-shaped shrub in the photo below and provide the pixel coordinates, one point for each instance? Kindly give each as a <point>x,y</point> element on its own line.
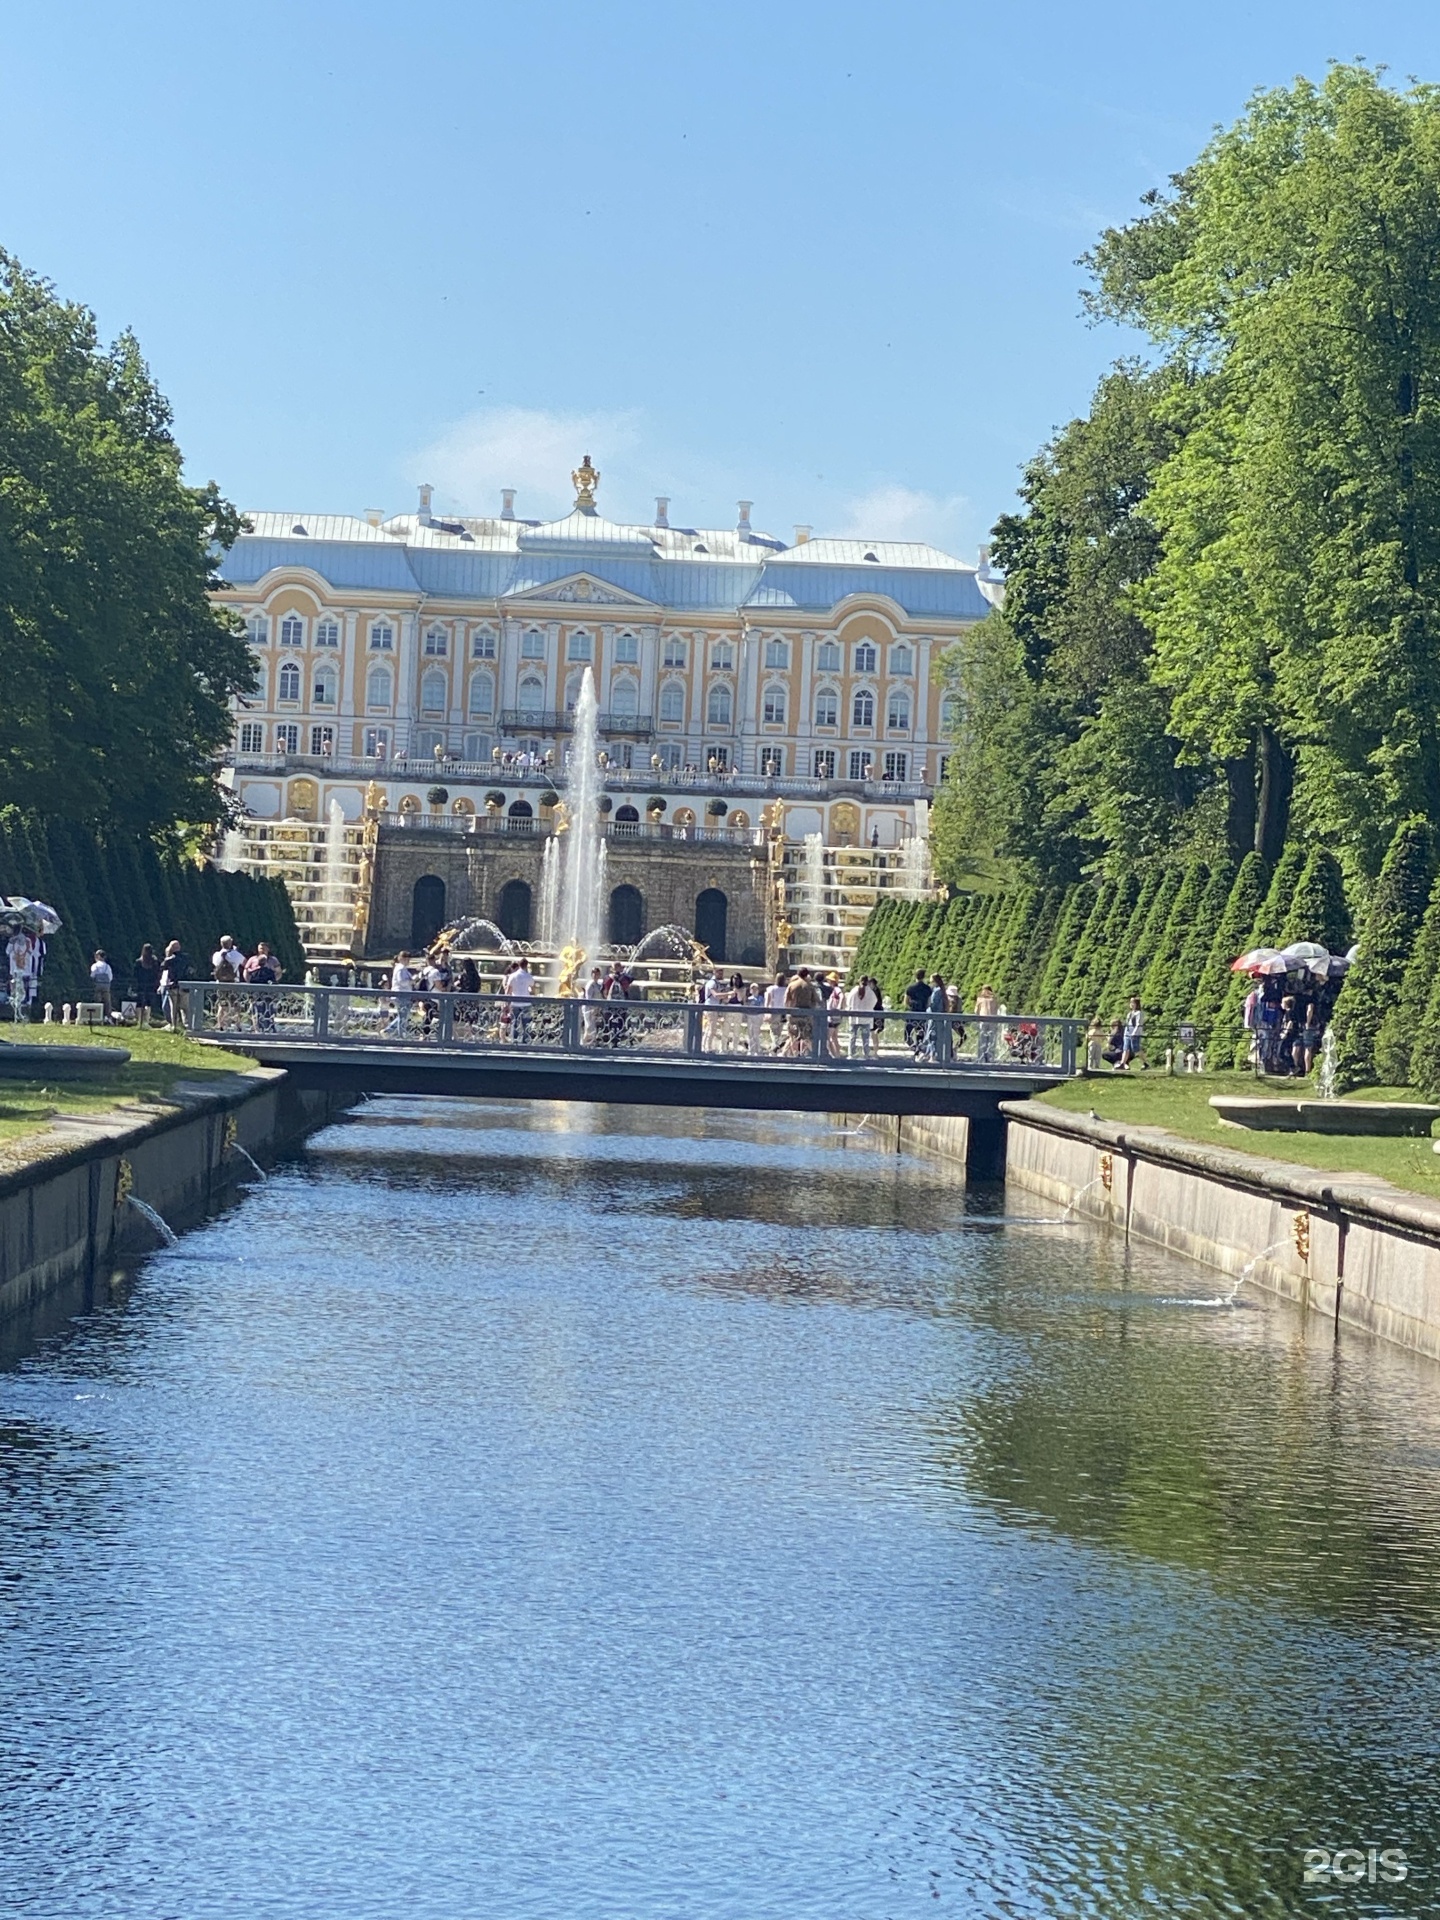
<point>1425,1054</point>
<point>1037,947</point>
<point>1103,941</point>
<point>1158,985</point>
<point>1131,980</point>
<point>1232,937</point>
<point>1179,1003</point>
<point>1073,989</point>
<point>1109,995</point>
<point>1319,910</point>
<point>1400,1027</point>
<point>1392,926</point>
<point>1228,1045</point>
<point>1078,906</point>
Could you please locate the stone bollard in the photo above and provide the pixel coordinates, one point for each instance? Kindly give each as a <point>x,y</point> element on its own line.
<point>65,1014</point>
<point>49,1016</point>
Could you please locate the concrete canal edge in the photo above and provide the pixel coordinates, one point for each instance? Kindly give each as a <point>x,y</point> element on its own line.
<point>1351,1247</point>
<point>64,1217</point>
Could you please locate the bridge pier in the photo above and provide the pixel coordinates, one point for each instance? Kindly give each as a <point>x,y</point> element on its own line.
<point>985,1146</point>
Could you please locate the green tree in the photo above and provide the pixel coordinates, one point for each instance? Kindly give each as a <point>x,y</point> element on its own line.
<point>1319,910</point>
<point>1232,937</point>
<point>117,665</point>
<point>1392,924</point>
<point>1400,1027</point>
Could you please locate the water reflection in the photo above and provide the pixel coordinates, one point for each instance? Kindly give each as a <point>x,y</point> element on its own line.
<point>599,1513</point>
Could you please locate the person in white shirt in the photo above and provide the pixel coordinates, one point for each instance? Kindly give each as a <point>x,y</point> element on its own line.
<point>590,1011</point>
<point>755,1015</point>
<point>102,979</point>
<point>520,985</point>
<point>227,954</point>
<point>22,954</point>
<point>402,985</point>
<point>775,1007</point>
<point>861,999</point>
<point>715,995</point>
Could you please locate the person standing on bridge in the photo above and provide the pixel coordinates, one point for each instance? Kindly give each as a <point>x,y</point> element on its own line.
<point>987,1006</point>
<point>917,999</point>
<point>860,1003</point>
<point>590,1012</point>
<point>520,989</point>
<point>775,1007</point>
<point>402,981</point>
<point>938,1043</point>
<point>803,998</point>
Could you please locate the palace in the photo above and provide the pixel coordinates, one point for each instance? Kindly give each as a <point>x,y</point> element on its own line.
<point>401,656</point>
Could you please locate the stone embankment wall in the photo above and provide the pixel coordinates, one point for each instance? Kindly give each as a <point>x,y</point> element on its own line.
<point>65,1216</point>
<point>1353,1248</point>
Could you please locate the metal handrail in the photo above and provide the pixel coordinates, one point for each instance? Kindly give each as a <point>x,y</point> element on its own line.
<point>819,1036</point>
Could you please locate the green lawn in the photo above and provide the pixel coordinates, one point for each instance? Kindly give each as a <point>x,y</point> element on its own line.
<point>1181,1104</point>
<point>158,1058</point>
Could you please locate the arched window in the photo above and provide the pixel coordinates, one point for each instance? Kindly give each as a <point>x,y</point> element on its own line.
<point>532,647</point>
<point>326,682</point>
<point>624,699</point>
<point>775,707</point>
<point>513,913</point>
<point>711,909</point>
<point>777,654</point>
<point>382,637</point>
<point>432,692</point>
<point>482,646</point>
<point>258,630</point>
<point>722,657</point>
<point>950,712</point>
<point>627,649</point>
<point>327,633</point>
<point>532,694</point>
<point>827,707</point>
<point>676,653</point>
<point>289,681</point>
<point>902,660</point>
<point>865,657</point>
<point>437,643</point>
<point>292,631</point>
<point>427,910</point>
<point>482,695</point>
<point>626,917</point>
<point>580,647</point>
<point>377,687</point>
<point>897,708</point>
<point>672,701</point>
<point>719,707</point>
<point>827,657</point>
<point>862,708</point>
<point>572,692</point>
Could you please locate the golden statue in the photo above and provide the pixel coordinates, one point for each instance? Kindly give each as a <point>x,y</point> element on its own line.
<point>586,479</point>
<point>572,958</point>
<point>560,817</point>
<point>374,797</point>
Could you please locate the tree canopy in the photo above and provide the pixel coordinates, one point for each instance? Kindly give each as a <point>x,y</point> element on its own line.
<point>118,668</point>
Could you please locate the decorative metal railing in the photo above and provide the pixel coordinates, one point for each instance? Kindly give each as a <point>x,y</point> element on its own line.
<point>678,1030</point>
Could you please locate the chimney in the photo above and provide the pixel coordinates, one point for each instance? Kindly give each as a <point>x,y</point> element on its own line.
<point>742,525</point>
<point>802,536</point>
<point>374,516</point>
<point>423,516</point>
<point>662,509</point>
<point>984,566</point>
<point>507,503</point>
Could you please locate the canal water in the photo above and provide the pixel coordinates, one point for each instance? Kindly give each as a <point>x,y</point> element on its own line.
<point>580,1512</point>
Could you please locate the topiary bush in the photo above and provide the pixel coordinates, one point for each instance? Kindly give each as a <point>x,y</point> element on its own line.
<point>1319,910</point>
<point>1373,986</point>
<point>1400,1027</point>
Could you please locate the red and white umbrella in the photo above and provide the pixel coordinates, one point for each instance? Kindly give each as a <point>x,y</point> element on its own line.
<point>1260,960</point>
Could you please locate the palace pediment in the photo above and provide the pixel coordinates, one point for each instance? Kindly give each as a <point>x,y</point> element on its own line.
<point>577,589</point>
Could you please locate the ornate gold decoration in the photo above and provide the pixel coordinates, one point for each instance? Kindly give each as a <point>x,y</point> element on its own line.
<point>586,480</point>
<point>1301,1230</point>
<point>1107,1171</point>
<point>124,1183</point>
<point>572,958</point>
<point>232,1132</point>
<point>560,817</point>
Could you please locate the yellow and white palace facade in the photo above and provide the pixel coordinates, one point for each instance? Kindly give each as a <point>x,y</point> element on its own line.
<point>732,669</point>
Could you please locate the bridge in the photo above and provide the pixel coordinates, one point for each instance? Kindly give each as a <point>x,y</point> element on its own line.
<point>646,1052</point>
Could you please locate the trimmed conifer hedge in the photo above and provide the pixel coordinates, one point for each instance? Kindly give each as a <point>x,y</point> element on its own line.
<point>118,896</point>
<point>1400,1028</point>
<point>1374,984</point>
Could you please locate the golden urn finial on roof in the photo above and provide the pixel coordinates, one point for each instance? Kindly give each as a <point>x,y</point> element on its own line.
<point>586,480</point>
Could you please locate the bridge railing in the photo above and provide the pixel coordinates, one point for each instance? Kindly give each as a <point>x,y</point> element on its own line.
<point>678,1030</point>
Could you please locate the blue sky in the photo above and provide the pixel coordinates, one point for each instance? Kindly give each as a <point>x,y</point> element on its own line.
<point>821,256</point>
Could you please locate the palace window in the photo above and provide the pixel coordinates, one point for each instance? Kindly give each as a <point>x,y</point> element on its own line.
<point>377,687</point>
<point>861,761</point>
<point>258,630</point>
<point>897,766</point>
<point>824,763</point>
<point>627,649</point>
<point>287,738</point>
<point>950,712</point>
<point>865,657</point>
<point>437,643</point>
<point>532,647</point>
<point>672,701</point>
<point>902,660</point>
<point>722,657</point>
<point>252,737</point>
<point>532,694</point>
<point>719,707</point>
<point>862,708</point>
<point>676,651</point>
<point>289,682</point>
<point>292,631</point>
<point>433,691</point>
<point>624,699</point>
<point>777,654</point>
<point>717,759</point>
<point>322,739</point>
<point>827,707</point>
<point>827,657</point>
<point>668,754</point>
<point>327,633</point>
<point>382,637</point>
<point>572,693</point>
<point>476,746</point>
<point>326,682</point>
<point>944,768</point>
<point>482,695</point>
<point>775,706</point>
<point>377,742</point>
<point>897,710</point>
<point>580,647</point>
<point>772,763</point>
<point>482,646</point>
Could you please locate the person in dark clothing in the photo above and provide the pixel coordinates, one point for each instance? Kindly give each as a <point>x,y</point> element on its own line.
<point>917,1000</point>
<point>176,967</point>
<point>147,983</point>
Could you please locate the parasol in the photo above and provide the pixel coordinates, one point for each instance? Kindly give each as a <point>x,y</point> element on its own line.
<point>1307,954</point>
<point>1259,960</point>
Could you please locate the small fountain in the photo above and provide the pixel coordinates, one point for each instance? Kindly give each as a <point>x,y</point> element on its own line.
<point>1326,1081</point>
<point>147,1212</point>
<point>245,1154</point>
<point>915,865</point>
<point>549,893</point>
<point>581,890</point>
<point>1099,1181</point>
<point>232,845</point>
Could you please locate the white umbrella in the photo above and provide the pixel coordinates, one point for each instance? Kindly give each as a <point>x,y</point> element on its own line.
<point>1303,953</point>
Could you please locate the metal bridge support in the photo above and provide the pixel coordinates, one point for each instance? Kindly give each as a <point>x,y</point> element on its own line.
<point>985,1147</point>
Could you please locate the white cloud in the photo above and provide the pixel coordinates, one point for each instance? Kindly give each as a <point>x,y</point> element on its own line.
<point>521,447</point>
<point>905,513</point>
